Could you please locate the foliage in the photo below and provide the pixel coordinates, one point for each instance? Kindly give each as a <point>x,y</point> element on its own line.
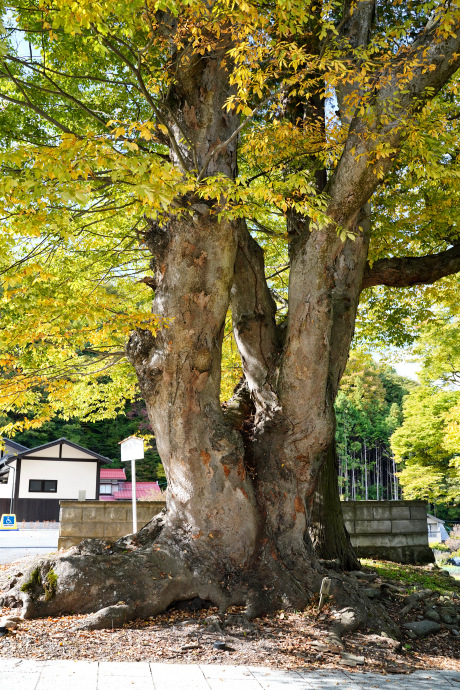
<point>85,160</point>
<point>428,467</point>
<point>439,546</point>
<point>414,212</point>
<point>427,444</point>
<point>438,350</point>
<point>231,362</point>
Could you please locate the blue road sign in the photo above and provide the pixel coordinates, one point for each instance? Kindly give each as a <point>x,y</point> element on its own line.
<point>8,522</point>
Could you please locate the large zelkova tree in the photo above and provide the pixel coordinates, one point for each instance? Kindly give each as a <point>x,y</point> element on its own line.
<point>178,134</point>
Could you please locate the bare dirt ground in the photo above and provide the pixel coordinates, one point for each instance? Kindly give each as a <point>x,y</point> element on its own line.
<point>289,639</point>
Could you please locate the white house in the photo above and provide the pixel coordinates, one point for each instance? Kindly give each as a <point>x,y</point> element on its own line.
<point>36,479</point>
<point>436,530</point>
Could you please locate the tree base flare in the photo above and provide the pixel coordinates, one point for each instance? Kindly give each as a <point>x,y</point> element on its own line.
<point>141,575</point>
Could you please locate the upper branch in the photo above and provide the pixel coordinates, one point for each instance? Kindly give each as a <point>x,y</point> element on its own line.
<point>433,58</point>
<point>145,92</point>
<point>406,271</point>
<point>356,25</point>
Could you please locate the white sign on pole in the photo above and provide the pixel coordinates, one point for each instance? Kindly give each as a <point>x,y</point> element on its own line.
<point>132,449</point>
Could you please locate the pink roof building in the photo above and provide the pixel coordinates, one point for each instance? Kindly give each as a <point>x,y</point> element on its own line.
<point>143,489</point>
<point>113,473</point>
<point>114,487</point>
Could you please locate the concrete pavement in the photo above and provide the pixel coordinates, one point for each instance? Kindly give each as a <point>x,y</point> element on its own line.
<point>27,674</point>
<point>27,542</point>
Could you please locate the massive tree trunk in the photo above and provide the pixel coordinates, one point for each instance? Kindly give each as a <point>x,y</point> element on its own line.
<point>244,508</point>
<point>235,528</point>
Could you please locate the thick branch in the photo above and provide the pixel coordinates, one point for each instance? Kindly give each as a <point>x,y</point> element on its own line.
<point>407,270</point>
<point>356,26</point>
<point>214,151</point>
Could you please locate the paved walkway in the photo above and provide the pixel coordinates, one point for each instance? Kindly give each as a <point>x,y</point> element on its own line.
<point>24,674</point>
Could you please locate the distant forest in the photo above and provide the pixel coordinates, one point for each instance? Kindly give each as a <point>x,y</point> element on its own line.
<point>369,410</point>
<point>103,437</point>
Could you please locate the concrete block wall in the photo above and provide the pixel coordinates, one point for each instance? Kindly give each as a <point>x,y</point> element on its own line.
<point>101,519</point>
<point>388,530</point>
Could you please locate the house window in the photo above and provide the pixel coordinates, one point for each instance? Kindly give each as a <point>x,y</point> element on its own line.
<point>105,489</point>
<point>46,486</point>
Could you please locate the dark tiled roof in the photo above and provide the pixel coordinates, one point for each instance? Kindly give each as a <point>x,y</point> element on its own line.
<point>63,441</point>
<point>13,445</point>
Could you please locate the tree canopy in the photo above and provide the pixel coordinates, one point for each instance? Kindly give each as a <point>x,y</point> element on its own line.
<point>85,156</point>
<point>428,468</point>
<point>426,446</point>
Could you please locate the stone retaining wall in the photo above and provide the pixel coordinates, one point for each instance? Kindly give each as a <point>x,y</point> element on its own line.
<point>101,519</point>
<point>389,530</point>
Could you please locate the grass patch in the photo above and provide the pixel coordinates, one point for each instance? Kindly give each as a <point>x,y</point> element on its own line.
<point>413,576</point>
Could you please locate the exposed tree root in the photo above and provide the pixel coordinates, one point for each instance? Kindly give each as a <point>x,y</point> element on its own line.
<point>355,610</point>
<point>141,575</point>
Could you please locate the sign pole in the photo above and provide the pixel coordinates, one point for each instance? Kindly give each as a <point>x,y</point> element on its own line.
<point>132,449</point>
<point>12,488</point>
<point>133,494</point>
